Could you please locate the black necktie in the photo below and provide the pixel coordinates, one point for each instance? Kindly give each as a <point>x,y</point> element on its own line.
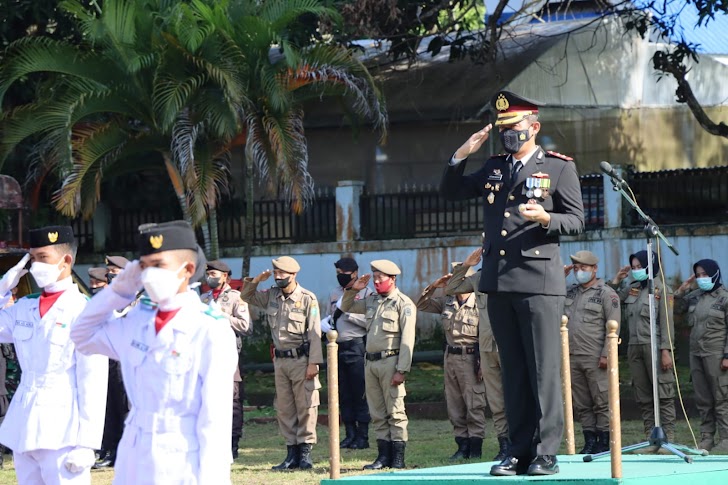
<point>514,171</point>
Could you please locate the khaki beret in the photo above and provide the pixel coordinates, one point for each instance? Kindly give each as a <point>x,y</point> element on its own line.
<point>98,274</point>
<point>584,257</point>
<point>385,266</point>
<point>455,264</point>
<point>118,261</point>
<point>287,264</point>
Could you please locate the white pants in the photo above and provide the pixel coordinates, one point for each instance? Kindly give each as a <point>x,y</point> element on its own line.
<point>46,467</point>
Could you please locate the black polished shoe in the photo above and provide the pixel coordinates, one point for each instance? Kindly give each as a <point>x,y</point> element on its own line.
<point>107,461</point>
<point>510,466</point>
<point>543,465</point>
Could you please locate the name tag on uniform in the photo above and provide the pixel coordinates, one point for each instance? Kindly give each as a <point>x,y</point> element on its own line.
<point>23,323</point>
<point>595,300</point>
<point>139,345</point>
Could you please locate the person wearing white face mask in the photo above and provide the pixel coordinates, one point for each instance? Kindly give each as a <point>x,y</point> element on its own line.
<point>634,297</point>
<point>177,359</point>
<point>589,304</point>
<point>56,418</point>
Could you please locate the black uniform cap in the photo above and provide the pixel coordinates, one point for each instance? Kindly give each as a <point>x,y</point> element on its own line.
<point>347,264</point>
<point>51,235</point>
<point>166,236</point>
<point>512,108</point>
<point>218,265</point>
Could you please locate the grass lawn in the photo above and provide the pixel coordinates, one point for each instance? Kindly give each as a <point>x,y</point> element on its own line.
<point>430,445</point>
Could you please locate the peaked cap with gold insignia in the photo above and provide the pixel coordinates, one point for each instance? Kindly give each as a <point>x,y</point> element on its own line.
<point>512,108</point>
<point>51,235</point>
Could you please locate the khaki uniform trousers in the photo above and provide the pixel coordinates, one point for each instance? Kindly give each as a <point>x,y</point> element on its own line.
<point>590,392</point>
<point>465,396</point>
<point>297,400</point>
<point>386,403</point>
<point>640,364</point>
<point>711,394</point>
<point>491,369</point>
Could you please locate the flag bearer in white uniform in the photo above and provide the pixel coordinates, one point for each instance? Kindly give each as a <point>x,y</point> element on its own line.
<point>177,359</point>
<point>56,418</point>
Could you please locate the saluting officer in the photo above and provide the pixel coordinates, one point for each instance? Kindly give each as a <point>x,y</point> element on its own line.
<point>707,309</point>
<point>530,198</point>
<point>236,311</point>
<point>390,322</point>
<point>464,280</point>
<point>464,388</point>
<point>293,317</point>
<point>589,305</point>
<point>635,297</point>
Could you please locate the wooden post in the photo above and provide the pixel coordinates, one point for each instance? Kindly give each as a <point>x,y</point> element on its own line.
<point>615,429</point>
<point>332,373</point>
<point>566,388</point>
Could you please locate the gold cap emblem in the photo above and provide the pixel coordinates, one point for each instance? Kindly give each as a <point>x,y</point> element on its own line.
<point>502,104</point>
<point>156,241</point>
<point>52,237</point>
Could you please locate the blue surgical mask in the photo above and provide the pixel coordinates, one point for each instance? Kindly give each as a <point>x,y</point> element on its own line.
<point>583,276</point>
<point>706,283</point>
<point>639,274</point>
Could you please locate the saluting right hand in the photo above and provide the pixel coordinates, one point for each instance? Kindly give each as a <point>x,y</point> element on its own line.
<point>567,269</point>
<point>441,282</point>
<point>262,276</point>
<point>361,282</point>
<point>686,284</point>
<point>13,275</point>
<point>621,274</point>
<point>474,143</point>
<point>473,258</point>
<point>129,281</point>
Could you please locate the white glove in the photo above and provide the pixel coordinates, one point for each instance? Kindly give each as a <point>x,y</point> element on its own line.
<point>79,459</point>
<point>326,324</point>
<point>129,281</point>
<point>13,275</point>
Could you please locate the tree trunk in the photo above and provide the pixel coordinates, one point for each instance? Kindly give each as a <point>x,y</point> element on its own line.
<point>178,185</point>
<point>214,235</point>
<point>206,238</point>
<point>249,223</point>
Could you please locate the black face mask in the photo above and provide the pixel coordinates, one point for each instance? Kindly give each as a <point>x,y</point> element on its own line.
<point>110,276</point>
<point>96,290</point>
<point>343,279</point>
<point>513,140</point>
<point>213,282</point>
<point>282,283</point>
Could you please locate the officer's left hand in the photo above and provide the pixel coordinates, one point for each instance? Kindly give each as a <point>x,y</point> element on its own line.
<point>79,459</point>
<point>312,371</point>
<point>397,379</point>
<point>536,213</point>
<point>724,364</point>
<point>602,362</point>
<point>666,360</point>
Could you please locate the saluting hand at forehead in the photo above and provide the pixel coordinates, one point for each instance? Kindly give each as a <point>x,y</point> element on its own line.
<point>474,143</point>
<point>262,276</point>
<point>361,282</point>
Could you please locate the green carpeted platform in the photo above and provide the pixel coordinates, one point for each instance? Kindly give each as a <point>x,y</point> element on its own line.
<point>636,469</point>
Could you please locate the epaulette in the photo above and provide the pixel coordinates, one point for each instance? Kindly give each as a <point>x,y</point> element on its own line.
<point>213,312</point>
<point>560,155</point>
<point>32,296</point>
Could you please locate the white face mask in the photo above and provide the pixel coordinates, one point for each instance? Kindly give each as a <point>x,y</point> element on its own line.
<point>161,284</point>
<point>45,274</point>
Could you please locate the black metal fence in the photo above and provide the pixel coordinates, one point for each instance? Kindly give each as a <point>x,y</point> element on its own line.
<point>125,224</point>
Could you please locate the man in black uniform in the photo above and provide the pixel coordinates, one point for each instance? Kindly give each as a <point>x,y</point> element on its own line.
<point>530,198</point>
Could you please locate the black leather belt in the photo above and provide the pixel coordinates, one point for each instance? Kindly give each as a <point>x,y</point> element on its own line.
<point>292,353</point>
<point>382,355</point>
<point>346,345</point>
<point>461,350</point>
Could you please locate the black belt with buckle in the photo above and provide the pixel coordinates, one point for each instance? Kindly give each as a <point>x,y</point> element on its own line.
<point>292,353</point>
<point>461,350</point>
<point>382,355</point>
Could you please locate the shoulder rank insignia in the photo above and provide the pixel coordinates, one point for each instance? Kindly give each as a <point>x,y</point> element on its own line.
<point>634,292</point>
<point>560,155</point>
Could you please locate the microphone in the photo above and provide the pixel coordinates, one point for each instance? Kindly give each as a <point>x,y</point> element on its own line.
<point>609,170</point>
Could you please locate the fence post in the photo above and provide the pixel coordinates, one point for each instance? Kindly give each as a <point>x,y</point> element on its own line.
<point>332,375</point>
<point>612,201</point>
<point>566,388</point>
<point>100,224</point>
<point>615,425</point>
<point>348,221</point>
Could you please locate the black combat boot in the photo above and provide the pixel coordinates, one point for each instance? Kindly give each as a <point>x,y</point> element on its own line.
<point>476,448</point>
<point>234,448</point>
<point>107,461</point>
<point>350,435</point>
<point>590,443</point>
<point>503,444</point>
<point>305,462</point>
<point>292,460</point>
<point>384,458</point>
<point>463,449</point>
<point>361,441</point>
<point>398,454</point>
<point>602,442</point>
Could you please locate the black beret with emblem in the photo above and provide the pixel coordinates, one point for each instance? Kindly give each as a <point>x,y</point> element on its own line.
<point>51,235</point>
<point>512,108</point>
<point>166,236</point>
<point>218,265</point>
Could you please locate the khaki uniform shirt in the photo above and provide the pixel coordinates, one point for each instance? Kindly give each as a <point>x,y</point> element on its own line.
<point>588,310</point>
<point>390,323</point>
<point>708,319</point>
<point>349,325</point>
<point>637,311</point>
<point>459,283</point>
<point>293,319</point>
<point>235,309</point>
<point>460,321</point>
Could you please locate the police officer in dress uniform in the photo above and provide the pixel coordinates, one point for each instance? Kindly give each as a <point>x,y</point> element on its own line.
<point>236,311</point>
<point>390,322</point>
<point>635,298</point>
<point>530,198</point>
<point>293,316</point>
<point>177,359</point>
<point>707,310</point>
<point>589,305</point>
<point>464,388</point>
<point>55,421</point>
<point>96,279</point>
<point>351,342</point>
<point>463,280</point>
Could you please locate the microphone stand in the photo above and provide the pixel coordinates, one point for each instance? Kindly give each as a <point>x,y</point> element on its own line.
<point>657,439</point>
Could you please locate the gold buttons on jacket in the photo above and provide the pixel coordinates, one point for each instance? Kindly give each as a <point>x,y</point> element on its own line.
<point>504,232</point>
<point>507,214</point>
<point>537,252</point>
<point>502,252</point>
<point>511,197</point>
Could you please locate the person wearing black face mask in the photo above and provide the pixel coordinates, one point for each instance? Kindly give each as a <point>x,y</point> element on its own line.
<point>530,198</point>
<point>96,279</point>
<point>217,277</point>
<point>352,330</point>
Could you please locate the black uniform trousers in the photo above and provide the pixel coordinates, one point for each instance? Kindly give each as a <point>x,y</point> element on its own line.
<point>117,407</point>
<point>238,398</point>
<point>352,390</point>
<point>526,328</point>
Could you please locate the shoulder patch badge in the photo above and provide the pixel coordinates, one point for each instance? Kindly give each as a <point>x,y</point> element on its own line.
<point>560,155</point>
